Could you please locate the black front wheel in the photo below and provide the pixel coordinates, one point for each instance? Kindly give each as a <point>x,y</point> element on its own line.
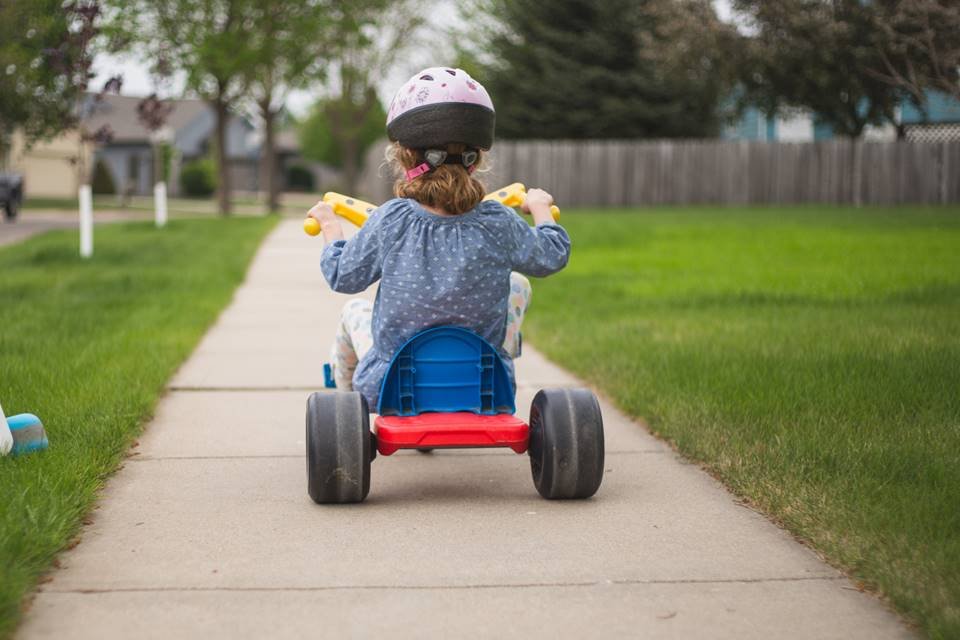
<point>11,210</point>
<point>566,443</point>
<point>339,447</point>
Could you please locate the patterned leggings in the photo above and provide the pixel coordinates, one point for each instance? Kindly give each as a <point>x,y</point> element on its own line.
<point>355,337</point>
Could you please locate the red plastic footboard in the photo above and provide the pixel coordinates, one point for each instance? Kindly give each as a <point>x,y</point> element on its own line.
<point>450,430</point>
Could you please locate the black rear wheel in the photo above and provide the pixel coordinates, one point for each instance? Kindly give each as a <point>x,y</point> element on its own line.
<point>339,447</point>
<point>566,443</point>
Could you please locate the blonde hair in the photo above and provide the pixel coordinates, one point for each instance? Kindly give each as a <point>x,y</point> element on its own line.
<point>449,187</point>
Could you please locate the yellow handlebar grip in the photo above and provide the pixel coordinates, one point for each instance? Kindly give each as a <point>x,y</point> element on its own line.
<point>511,195</point>
<point>311,226</point>
<point>514,195</point>
<point>356,211</point>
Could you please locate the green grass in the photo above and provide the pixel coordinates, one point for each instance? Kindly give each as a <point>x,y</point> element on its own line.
<point>88,346</point>
<point>808,357</point>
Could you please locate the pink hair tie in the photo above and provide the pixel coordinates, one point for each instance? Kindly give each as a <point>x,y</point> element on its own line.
<point>418,171</point>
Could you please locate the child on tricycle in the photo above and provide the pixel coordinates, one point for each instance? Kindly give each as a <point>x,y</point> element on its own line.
<point>444,257</point>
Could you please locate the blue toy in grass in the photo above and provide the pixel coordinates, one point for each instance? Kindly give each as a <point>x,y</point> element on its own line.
<point>23,433</point>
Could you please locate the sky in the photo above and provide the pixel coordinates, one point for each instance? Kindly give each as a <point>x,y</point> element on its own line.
<point>137,81</point>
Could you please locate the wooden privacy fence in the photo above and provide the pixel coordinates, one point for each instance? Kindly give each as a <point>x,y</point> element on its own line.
<point>630,173</point>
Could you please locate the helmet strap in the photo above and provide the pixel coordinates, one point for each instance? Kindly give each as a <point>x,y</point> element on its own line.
<point>435,157</point>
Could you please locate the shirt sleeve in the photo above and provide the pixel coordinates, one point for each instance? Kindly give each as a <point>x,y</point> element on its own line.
<point>541,250</point>
<point>350,266</point>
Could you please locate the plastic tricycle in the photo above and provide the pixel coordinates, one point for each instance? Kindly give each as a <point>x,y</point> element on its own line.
<point>447,388</point>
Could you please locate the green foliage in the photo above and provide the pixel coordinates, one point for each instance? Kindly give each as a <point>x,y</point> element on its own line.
<point>822,56</point>
<point>924,46</point>
<point>198,179</point>
<point>612,69</point>
<point>205,40</point>
<point>319,142</point>
<point>88,346</point>
<point>300,178</point>
<point>102,183</point>
<point>371,37</point>
<point>34,94</point>
<point>807,357</point>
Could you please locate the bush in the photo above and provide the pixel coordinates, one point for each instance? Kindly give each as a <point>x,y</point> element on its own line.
<point>102,183</point>
<point>299,178</point>
<point>198,179</point>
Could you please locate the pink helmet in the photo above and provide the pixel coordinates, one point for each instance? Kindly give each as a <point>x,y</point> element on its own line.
<point>439,106</point>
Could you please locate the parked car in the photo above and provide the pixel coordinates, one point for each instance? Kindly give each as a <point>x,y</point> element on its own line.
<point>11,194</point>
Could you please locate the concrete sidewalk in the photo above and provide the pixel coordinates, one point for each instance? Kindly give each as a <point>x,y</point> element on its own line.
<point>208,532</point>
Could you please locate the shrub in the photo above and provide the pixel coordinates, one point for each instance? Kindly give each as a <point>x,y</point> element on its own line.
<point>198,179</point>
<point>299,178</point>
<point>102,182</point>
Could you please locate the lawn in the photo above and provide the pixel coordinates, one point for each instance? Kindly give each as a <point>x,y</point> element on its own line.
<point>88,346</point>
<point>808,357</point>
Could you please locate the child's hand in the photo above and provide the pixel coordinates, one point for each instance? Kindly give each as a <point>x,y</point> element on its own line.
<point>323,213</point>
<point>537,199</point>
<point>537,203</point>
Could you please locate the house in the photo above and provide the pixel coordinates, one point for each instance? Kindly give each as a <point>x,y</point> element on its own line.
<point>48,167</point>
<point>939,123</point>
<point>128,155</point>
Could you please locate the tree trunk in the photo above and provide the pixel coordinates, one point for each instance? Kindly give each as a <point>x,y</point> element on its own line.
<point>223,169</point>
<point>268,157</point>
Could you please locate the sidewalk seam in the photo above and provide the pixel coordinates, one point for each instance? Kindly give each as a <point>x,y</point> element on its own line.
<point>531,585</point>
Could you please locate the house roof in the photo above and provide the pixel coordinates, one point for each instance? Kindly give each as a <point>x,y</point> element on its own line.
<point>120,114</point>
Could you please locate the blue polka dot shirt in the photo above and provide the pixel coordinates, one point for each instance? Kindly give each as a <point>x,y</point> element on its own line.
<point>438,271</point>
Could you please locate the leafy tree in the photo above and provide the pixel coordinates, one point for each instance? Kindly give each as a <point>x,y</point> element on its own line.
<point>47,49</point>
<point>31,96</point>
<point>613,69</point>
<point>922,46</point>
<point>288,46</point>
<point>152,113</point>
<point>372,36</point>
<point>818,54</point>
<point>205,39</point>
<point>318,142</point>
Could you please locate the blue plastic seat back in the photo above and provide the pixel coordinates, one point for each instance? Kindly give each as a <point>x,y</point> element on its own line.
<point>446,369</point>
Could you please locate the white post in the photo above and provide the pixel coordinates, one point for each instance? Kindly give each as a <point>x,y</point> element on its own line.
<point>160,203</point>
<point>6,438</point>
<point>86,221</point>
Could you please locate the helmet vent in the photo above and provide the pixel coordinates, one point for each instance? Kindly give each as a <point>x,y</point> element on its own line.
<point>451,72</point>
<point>427,77</point>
